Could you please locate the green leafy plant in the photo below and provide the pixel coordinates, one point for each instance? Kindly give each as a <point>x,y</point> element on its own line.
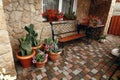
<point>40,57</point>
<point>70,16</point>
<point>32,35</point>
<point>51,45</point>
<point>103,37</point>
<point>25,46</point>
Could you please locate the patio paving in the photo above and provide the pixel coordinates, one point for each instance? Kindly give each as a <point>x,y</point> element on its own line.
<point>80,61</point>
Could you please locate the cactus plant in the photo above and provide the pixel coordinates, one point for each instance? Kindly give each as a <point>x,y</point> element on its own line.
<point>25,46</point>
<point>32,35</point>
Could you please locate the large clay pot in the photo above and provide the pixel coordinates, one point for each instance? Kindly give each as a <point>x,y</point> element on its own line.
<point>54,56</point>
<point>41,64</point>
<point>26,61</point>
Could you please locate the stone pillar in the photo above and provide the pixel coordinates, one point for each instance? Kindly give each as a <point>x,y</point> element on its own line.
<point>7,67</point>
<point>82,9</point>
<point>109,17</point>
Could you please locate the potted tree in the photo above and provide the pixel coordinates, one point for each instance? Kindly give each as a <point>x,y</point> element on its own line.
<point>26,53</point>
<point>40,59</point>
<point>51,47</point>
<point>32,36</point>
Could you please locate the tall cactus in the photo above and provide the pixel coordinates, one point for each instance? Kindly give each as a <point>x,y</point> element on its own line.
<point>32,35</point>
<point>25,46</point>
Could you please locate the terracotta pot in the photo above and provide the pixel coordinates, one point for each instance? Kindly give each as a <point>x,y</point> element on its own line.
<point>41,64</point>
<point>26,61</point>
<point>54,56</point>
<point>38,47</point>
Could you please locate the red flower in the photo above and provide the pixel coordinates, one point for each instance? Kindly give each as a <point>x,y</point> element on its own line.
<point>52,14</point>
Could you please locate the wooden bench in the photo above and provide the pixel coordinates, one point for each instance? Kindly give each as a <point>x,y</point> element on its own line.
<point>61,28</point>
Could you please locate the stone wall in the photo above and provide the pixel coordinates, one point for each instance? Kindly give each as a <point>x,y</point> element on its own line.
<point>20,13</point>
<point>6,58</point>
<point>100,8</point>
<point>82,9</point>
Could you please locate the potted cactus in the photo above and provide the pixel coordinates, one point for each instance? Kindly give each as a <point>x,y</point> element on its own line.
<point>51,47</point>
<point>26,53</point>
<point>32,35</point>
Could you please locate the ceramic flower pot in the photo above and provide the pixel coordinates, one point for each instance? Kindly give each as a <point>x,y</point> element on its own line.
<point>26,61</point>
<point>39,47</point>
<point>41,64</point>
<point>54,56</point>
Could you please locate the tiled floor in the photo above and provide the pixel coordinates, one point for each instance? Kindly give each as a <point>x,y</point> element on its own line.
<point>80,61</point>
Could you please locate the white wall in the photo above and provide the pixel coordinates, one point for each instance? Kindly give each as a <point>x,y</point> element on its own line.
<point>116,10</point>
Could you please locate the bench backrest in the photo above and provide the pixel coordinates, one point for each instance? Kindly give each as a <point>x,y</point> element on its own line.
<point>63,28</point>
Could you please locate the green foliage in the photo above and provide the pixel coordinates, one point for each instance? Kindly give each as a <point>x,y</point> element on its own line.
<point>70,16</point>
<point>39,57</point>
<point>25,46</point>
<point>32,35</point>
<point>103,37</point>
<point>51,46</point>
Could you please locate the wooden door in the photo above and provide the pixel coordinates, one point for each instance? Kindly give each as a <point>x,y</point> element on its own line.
<point>115,26</point>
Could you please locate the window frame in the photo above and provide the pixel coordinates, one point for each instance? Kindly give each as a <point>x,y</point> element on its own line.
<point>60,6</point>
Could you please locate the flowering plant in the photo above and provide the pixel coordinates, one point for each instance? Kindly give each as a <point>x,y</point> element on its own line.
<point>52,15</point>
<point>40,57</point>
<point>94,21</point>
<point>51,46</point>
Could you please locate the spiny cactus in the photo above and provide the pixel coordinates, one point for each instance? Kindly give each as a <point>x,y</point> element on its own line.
<point>32,35</point>
<point>25,46</point>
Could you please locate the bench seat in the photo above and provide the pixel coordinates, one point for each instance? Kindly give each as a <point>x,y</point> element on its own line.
<point>72,37</point>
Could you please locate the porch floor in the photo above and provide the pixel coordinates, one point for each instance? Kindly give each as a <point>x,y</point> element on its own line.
<point>80,61</point>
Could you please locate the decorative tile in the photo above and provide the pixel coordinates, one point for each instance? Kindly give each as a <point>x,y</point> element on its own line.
<point>94,71</point>
<point>44,74</point>
<point>54,78</point>
<point>69,70</point>
<point>69,77</point>
<point>75,72</point>
<point>93,78</point>
<point>43,70</point>
<point>64,78</point>
<point>65,67</point>
<point>82,63</point>
<point>66,62</point>
<point>39,77</point>
<point>55,68</point>
<point>57,73</point>
<point>65,73</point>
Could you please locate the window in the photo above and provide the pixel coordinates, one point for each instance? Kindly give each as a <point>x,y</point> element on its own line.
<point>65,6</point>
<point>50,4</point>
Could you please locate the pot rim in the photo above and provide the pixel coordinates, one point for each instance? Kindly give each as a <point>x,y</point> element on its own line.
<point>36,47</point>
<point>25,57</point>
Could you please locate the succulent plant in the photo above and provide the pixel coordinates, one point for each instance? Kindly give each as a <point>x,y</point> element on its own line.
<point>25,46</point>
<point>32,35</point>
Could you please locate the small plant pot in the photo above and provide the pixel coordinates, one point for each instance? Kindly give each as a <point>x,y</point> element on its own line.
<point>41,64</point>
<point>26,61</point>
<point>54,56</point>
